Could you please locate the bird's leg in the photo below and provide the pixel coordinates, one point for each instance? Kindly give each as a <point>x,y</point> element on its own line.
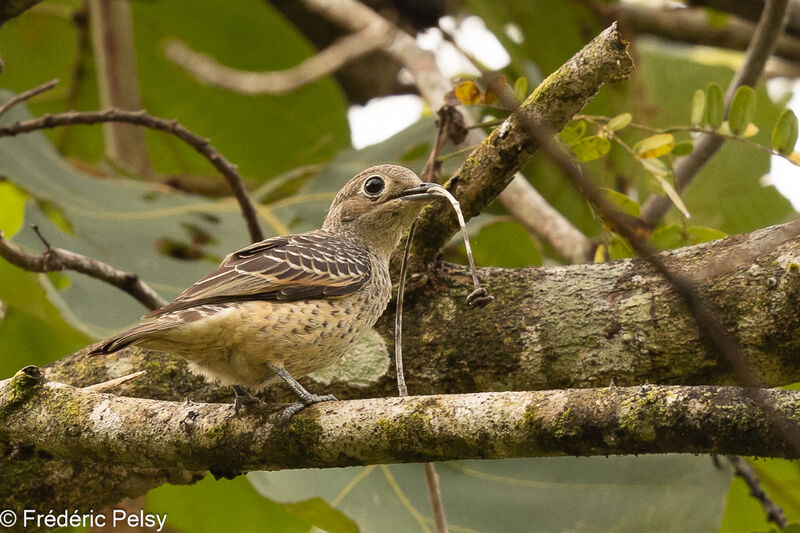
<point>305,398</point>
<point>243,399</point>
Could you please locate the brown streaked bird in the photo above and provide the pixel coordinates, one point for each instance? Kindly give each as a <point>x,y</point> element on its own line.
<point>293,304</point>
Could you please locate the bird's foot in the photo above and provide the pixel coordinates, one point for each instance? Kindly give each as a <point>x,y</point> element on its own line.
<point>301,404</point>
<point>243,400</point>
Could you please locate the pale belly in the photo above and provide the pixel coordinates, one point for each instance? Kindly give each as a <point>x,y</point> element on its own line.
<point>235,345</point>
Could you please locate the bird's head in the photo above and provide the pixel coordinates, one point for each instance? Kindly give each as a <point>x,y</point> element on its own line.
<point>378,205</point>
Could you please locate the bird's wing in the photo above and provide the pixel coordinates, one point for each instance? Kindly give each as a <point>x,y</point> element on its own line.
<point>294,267</point>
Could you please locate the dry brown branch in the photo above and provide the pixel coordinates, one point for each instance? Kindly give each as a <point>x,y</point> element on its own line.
<point>748,474</point>
<point>141,118</point>
<point>27,95</point>
<point>111,25</point>
<point>693,26</point>
<point>55,259</point>
<point>209,71</point>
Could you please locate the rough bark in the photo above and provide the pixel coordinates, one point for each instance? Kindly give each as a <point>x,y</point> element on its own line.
<point>161,438</point>
<point>577,326</point>
<point>572,326</point>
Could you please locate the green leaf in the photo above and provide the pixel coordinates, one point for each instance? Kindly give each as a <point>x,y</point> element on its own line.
<point>619,122</point>
<point>317,512</point>
<point>715,105</point>
<point>591,148</point>
<point>26,339</point>
<point>784,134</point>
<point>615,494</point>
<point>619,248</point>
<point>519,248</point>
<point>121,222</point>
<point>683,148</point>
<point>572,132</point>
<point>673,195</point>
<point>668,237</point>
<point>655,167</point>
<point>742,109</point>
<point>698,108</point>
<point>223,505</point>
<point>654,146</point>
<point>698,234</point>
<point>12,208</point>
<point>621,202</point>
<point>521,88</point>
<point>264,135</point>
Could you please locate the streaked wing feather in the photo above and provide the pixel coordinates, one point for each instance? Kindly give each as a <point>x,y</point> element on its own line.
<point>311,265</point>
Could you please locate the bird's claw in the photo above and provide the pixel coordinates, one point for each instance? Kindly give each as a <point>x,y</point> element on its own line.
<point>479,298</point>
<point>301,404</point>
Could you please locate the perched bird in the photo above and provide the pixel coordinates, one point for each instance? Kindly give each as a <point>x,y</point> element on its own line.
<point>292,304</point>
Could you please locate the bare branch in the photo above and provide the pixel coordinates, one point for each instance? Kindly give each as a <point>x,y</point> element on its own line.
<point>118,82</point>
<point>770,27</point>
<point>54,259</point>
<point>140,118</point>
<point>693,26</point>
<point>745,471</point>
<point>27,95</point>
<point>209,71</point>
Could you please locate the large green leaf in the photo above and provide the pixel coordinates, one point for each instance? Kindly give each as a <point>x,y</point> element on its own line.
<point>656,493</point>
<point>264,135</point>
<point>224,505</point>
<point>119,221</point>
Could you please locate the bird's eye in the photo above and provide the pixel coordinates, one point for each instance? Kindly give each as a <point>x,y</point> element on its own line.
<point>374,185</point>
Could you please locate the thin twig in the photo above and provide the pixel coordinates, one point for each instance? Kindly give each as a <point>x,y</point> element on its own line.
<point>435,496</point>
<point>141,118</point>
<point>743,469</point>
<point>99,387</point>
<point>209,71</point>
<point>769,29</point>
<point>54,259</point>
<point>30,93</point>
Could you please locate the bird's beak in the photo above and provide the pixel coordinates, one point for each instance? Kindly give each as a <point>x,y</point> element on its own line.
<point>423,191</point>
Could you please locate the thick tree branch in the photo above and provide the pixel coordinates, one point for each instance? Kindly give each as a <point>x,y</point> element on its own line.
<point>575,326</point>
<point>54,259</point>
<point>583,325</point>
<point>77,425</point>
<point>209,71</point>
<point>492,165</point>
<point>200,144</point>
<point>770,27</point>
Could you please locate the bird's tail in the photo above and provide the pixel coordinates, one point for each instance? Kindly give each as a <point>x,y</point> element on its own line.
<point>130,336</point>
